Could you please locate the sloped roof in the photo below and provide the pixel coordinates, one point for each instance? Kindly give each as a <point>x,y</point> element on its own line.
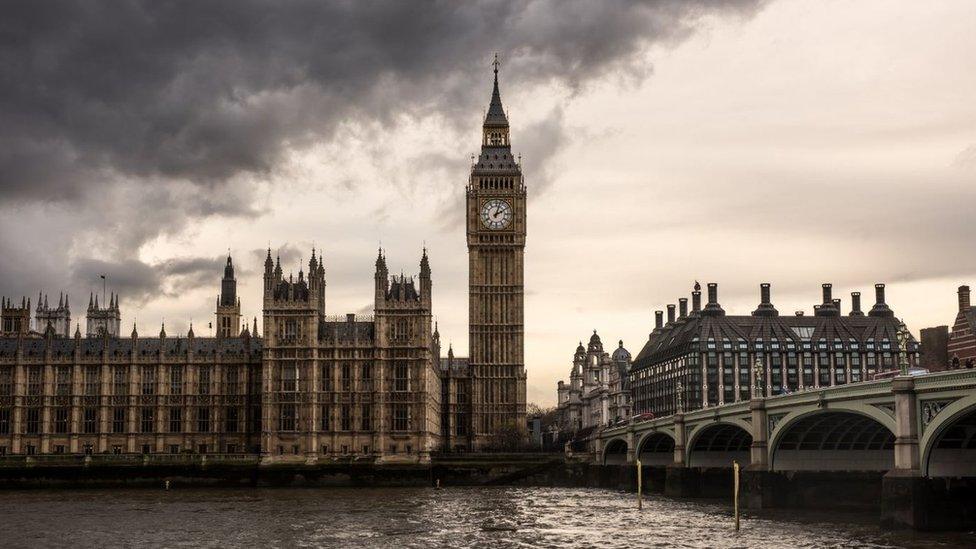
<point>685,334</point>
<point>94,346</point>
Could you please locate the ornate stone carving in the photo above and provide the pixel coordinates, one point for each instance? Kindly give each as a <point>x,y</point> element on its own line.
<point>931,408</point>
<point>774,420</point>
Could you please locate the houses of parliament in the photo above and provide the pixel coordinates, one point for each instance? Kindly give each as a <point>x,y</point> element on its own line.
<point>313,386</point>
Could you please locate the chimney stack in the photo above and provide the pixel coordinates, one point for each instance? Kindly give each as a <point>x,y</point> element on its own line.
<point>880,307</point>
<point>696,300</point>
<point>828,307</point>
<point>836,303</point>
<point>671,314</point>
<point>963,298</point>
<point>682,307</point>
<point>765,306</point>
<point>712,308</point>
<point>658,319</point>
<point>856,304</point>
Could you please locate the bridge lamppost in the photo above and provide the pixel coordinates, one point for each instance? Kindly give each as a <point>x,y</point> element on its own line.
<point>757,375</point>
<point>681,398</point>
<point>903,336</point>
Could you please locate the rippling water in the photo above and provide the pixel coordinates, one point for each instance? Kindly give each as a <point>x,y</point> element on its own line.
<point>418,517</point>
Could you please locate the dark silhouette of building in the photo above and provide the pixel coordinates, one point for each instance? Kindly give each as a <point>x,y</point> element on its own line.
<point>934,352</point>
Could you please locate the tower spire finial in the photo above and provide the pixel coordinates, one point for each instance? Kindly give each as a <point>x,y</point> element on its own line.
<point>495,64</point>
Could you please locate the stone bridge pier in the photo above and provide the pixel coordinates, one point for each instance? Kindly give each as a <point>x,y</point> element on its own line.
<point>908,442</point>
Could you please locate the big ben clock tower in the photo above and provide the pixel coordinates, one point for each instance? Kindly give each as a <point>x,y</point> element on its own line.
<point>495,212</point>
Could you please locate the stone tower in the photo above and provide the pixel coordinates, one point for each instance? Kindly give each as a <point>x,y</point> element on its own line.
<point>58,318</point>
<point>103,320</point>
<point>293,310</point>
<point>14,320</point>
<point>496,227</point>
<point>228,304</point>
<point>409,393</point>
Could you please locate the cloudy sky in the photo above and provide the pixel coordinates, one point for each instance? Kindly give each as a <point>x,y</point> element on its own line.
<point>665,142</point>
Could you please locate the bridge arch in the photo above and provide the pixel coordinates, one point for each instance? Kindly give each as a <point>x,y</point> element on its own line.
<point>849,438</point>
<point>615,452</point>
<point>718,444</point>
<point>656,448</point>
<point>948,444</point>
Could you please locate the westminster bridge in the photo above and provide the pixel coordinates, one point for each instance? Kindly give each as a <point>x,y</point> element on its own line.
<point>909,441</point>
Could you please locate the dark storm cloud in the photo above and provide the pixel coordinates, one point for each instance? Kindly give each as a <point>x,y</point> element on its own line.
<point>204,91</point>
<point>186,104</point>
<point>137,281</point>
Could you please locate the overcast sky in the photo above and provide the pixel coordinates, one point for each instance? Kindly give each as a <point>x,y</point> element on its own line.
<point>787,141</point>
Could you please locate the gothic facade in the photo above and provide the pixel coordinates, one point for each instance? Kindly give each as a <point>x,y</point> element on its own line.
<point>314,386</point>
<point>103,393</point>
<point>598,393</point>
<point>367,386</point>
<point>495,213</point>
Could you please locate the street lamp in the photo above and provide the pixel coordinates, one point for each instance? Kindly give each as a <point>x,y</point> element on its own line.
<point>681,397</point>
<point>903,335</point>
<point>757,371</point>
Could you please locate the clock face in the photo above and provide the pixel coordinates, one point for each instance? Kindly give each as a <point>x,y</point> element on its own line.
<point>496,214</point>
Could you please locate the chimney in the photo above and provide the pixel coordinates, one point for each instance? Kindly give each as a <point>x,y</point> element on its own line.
<point>765,307</point>
<point>828,307</point>
<point>671,314</point>
<point>798,313</point>
<point>856,304</point>
<point>880,307</point>
<point>836,303</point>
<point>658,319</point>
<point>963,298</point>
<point>682,307</point>
<point>712,308</point>
<point>696,301</point>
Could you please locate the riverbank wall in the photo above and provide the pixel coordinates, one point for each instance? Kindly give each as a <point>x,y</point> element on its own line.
<point>530,469</point>
<point>247,470</point>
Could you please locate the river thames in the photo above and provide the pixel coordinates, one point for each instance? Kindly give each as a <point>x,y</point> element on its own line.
<point>419,517</point>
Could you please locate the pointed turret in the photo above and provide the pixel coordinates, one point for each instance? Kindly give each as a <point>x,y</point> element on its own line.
<point>135,333</point>
<point>91,302</point>
<point>190,332</point>
<point>78,331</point>
<point>425,282</point>
<point>380,277</point>
<point>254,332</point>
<point>424,264</point>
<point>162,331</point>
<point>496,112</point>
